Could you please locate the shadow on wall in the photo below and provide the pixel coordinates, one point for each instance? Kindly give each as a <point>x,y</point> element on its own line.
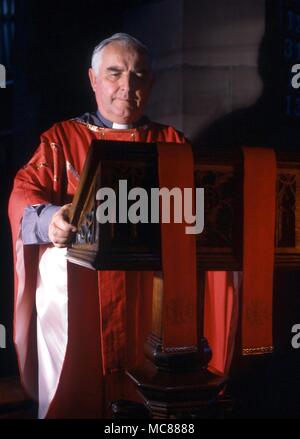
<point>266,122</point>
<point>268,386</point>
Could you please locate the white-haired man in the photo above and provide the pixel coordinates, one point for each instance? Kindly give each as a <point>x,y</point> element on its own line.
<point>76,331</point>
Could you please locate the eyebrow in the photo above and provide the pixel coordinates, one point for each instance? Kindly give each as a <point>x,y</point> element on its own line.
<point>120,69</point>
<point>114,69</point>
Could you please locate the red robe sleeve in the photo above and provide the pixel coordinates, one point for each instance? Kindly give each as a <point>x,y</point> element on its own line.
<point>36,183</point>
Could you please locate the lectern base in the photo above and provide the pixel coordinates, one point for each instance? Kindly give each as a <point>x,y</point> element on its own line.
<point>178,395</point>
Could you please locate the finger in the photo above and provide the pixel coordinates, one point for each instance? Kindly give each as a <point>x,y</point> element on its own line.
<point>66,206</point>
<point>58,235</point>
<point>59,222</point>
<point>60,240</point>
<point>66,212</point>
<point>57,232</point>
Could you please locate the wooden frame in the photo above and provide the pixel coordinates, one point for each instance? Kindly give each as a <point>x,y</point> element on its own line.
<point>219,247</point>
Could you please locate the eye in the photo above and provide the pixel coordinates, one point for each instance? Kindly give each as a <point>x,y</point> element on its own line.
<point>141,75</point>
<point>113,73</point>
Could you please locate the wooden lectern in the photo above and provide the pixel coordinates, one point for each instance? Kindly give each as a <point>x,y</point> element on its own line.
<point>176,383</point>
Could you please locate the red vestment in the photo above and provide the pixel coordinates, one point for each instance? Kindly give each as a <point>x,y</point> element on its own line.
<point>83,348</point>
<point>80,389</point>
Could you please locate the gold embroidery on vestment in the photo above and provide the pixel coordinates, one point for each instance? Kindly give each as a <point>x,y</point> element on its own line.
<point>258,351</point>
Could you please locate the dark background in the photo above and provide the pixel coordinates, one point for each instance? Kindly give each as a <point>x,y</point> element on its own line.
<point>47,52</point>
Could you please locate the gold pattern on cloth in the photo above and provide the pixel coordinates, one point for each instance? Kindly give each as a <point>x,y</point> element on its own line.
<point>258,351</point>
<point>37,166</point>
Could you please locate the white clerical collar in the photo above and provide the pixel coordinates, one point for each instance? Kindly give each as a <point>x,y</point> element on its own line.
<point>121,126</point>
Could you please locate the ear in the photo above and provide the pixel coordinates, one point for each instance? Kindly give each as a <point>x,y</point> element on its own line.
<point>93,79</point>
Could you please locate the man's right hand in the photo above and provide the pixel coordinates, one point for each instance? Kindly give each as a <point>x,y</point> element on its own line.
<point>60,230</point>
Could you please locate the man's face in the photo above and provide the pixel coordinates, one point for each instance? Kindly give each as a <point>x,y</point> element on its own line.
<point>122,84</point>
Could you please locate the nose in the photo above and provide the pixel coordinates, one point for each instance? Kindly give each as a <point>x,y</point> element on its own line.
<point>127,83</point>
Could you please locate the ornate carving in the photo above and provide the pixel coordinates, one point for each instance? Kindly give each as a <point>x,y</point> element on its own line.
<point>86,232</point>
<point>220,244</point>
<point>219,194</point>
<point>286,210</point>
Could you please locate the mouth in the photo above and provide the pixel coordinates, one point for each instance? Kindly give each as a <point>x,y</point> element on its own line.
<point>126,100</point>
<point>130,102</point>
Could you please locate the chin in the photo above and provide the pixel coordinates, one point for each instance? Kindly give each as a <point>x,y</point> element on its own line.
<point>126,118</point>
<point>126,112</point>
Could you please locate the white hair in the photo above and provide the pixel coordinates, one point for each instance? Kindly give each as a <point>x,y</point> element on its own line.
<point>123,38</point>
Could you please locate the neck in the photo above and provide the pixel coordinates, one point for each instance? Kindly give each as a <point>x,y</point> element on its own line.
<point>120,126</point>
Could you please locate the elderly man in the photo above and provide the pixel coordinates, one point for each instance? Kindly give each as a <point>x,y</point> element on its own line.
<point>76,331</point>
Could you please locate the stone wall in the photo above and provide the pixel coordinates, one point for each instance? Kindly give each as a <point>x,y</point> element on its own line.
<point>206,57</point>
